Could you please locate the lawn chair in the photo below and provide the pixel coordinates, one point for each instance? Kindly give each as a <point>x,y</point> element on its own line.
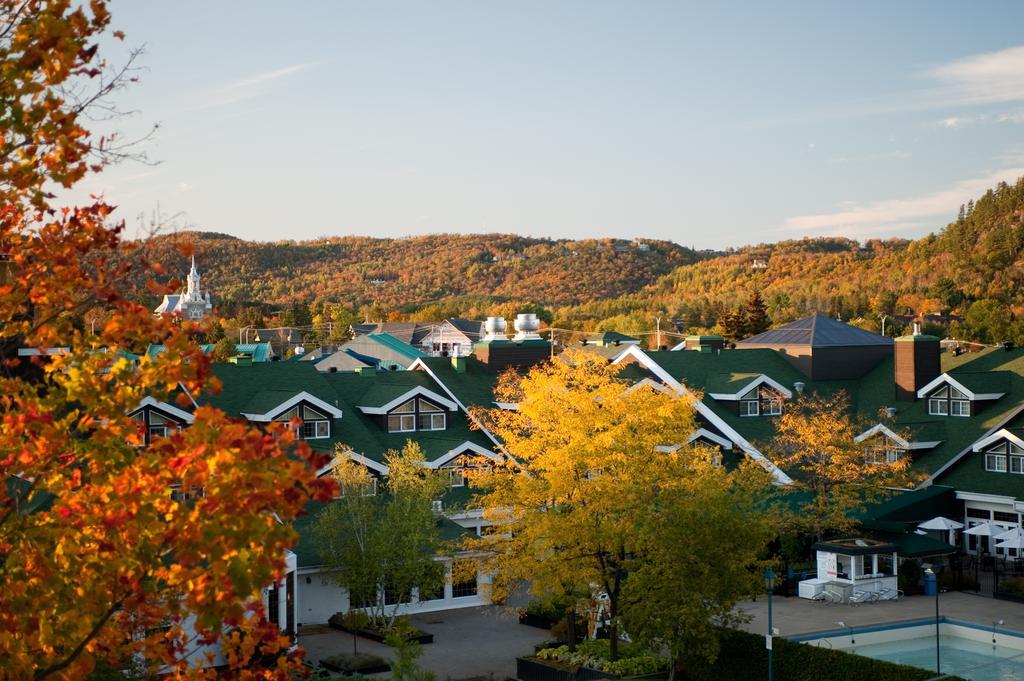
<point>858,597</point>
<point>834,596</point>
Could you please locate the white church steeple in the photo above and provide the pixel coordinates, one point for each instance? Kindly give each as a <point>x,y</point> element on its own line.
<point>192,303</point>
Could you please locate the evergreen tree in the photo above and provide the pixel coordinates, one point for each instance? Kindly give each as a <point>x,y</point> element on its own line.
<point>756,315</point>
<point>734,325</point>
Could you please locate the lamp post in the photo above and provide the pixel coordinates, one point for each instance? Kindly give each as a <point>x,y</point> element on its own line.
<point>995,623</point>
<point>938,658</point>
<point>769,579</point>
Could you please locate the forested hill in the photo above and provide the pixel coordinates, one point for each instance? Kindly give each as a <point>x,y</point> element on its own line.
<point>405,273</point>
<point>973,267</point>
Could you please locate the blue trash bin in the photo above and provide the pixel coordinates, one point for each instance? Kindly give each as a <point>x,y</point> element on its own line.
<point>931,585</point>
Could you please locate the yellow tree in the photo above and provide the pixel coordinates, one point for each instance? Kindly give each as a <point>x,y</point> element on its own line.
<point>816,442</point>
<point>587,463</point>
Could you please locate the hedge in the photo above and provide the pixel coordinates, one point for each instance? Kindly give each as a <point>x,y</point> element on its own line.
<point>743,656</point>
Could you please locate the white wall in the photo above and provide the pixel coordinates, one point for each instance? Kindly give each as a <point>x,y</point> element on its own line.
<point>322,597</point>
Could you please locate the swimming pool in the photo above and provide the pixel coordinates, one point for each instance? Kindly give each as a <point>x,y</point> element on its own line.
<point>966,649</point>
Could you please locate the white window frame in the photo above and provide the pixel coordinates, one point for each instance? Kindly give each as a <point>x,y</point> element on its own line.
<point>774,407</point>
<point>1016,461</point>
<point>434,418</point>
<point>994,461</point>
<point>745,407</point>
<point>401,417</point>
<point>938,406</point>
<point>960,408</point>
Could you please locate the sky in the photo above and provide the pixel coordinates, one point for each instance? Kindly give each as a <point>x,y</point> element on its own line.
<point>708,124</point>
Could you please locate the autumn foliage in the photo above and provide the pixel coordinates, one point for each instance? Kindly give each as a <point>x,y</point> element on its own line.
<point>99,562</point>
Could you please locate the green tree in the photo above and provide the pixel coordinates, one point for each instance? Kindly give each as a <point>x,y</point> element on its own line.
<point>988,321</point>
<point>375,540</point>
<point>734,325</point>
<point>756,315</point>
<point>700,546</point>
<point>297,314</point>
<point>224,350</point>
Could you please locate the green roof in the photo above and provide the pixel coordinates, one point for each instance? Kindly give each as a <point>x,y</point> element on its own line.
<point>730,383</point>
<point>399,346</point>
<point>983,382</point>
<point>991,371</point>
<point>258,388</point>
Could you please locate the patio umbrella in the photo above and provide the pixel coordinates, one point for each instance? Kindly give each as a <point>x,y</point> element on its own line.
<point>942,523</point>
<point>985,529</point>
<point>1011,539</point>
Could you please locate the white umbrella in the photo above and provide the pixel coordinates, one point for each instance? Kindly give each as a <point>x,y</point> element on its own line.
<point>1011,539</point>
<point>941,523</point>
<point>1009,534</point>
<point>985,529</point>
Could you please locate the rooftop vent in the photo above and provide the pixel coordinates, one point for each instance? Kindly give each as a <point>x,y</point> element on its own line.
<point>527,325</point>
<point>890,412</point>
<point>494,329</point>
<point>798,386</point>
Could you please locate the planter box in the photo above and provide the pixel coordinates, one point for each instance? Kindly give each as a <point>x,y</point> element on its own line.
<point>532,669</point>
<point>419,636</point>
<point>372,669</point>
<point>539,621</point>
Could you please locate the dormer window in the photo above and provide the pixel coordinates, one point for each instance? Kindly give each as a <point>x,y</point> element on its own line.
<point>761,401</point>
<point>157,422</point>
<point>948,401</point>
<point>416,414</point>
<point>883,453</point>
<point>314,425</point>
<point>1004,457</point>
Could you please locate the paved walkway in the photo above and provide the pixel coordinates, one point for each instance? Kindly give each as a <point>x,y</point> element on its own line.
<point>468,642</point>
<point>794,615</point>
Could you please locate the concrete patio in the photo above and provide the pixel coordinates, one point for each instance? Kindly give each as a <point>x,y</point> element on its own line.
<point>793,615</point>
<point>468,642</point>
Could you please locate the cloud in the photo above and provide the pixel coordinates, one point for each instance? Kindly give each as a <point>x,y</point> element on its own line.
<point>267,76</point>
<point>985,78</point>
<point>952,122</point>
<point>863,158</point>
<point>244,89</point>
<point>894,215</point>
<point>981,79</point>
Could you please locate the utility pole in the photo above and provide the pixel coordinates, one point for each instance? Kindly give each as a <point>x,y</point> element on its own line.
<point>657,321</point>
<point>884,317</point>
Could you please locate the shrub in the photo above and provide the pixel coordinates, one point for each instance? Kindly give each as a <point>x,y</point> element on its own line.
<point>353,662</point>
<point>633,661</point>
<point>743,656</point>
<point>546,608</point>
<point>1014,585</point>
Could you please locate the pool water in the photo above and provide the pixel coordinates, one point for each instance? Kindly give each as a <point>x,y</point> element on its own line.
<point>969,659</point>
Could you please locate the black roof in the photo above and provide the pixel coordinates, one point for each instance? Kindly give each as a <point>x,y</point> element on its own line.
<point>817,331</point>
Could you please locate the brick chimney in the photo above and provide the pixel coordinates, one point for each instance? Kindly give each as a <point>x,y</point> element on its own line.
<point>917,363</point>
